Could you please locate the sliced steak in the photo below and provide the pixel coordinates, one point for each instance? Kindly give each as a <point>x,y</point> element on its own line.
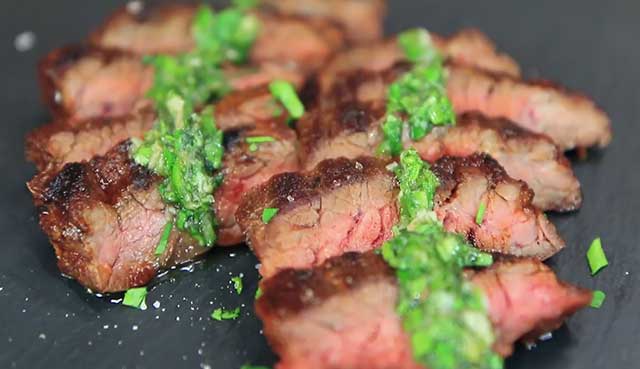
<point>570,119</point>
<point>245,167</point>
<point>347,123</point>
<point>57,143</point>
<point>362,20</point>
<point>351,205</point>
<point>81,82</point>
<point>342,314</point>
<point>511,224</point>
<point>148,29</point>
<point>526,299</point>
<point>104,219</point>
<point>342,205</point>
<point>467,47</point>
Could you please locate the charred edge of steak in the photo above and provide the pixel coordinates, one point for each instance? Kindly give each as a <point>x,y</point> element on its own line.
<point>53,66</point>
<point>283,191</point>
<point>102,178</point>
<point>291,291</point>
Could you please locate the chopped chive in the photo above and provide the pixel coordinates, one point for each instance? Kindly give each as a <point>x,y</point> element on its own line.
<point>223,314</point>
<point>284,92</point>
<point>237,284</point>
<point>164,239</point>
<point>258,293</point>
<point>598,299</point>
<point>480,214</point>
<point>135,297</point>
<point>268,214</point>
<point>253,147</point>
<point>596,257</point>
<point>259,139</point>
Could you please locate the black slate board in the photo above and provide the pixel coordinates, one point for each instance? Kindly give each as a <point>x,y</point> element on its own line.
<point>49,321</point>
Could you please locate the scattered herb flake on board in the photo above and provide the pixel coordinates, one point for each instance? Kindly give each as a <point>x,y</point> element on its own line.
<point>268,214</point>
<point>480,214</point>
<point>596,256</point>
<point>135,297</point>
<point>237,284</point>
<point>223,314</point>
<point>598,299</point>
<point>284,92</point>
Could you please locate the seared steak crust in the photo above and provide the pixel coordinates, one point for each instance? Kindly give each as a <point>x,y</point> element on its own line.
<point>57,143</point>
<point>341,314</point>
<point>104,218</point>
<point>511,224</point>
<point>571,120</point>
<point>342,205</point>
<point>79,82</point>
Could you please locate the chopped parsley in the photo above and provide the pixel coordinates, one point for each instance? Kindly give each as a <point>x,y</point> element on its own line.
<point>164,238</point>
<point>135,297</point>
<point>284,92</point>
<point>480,214</point>
<point>444,315</point>
<point>222,37</point>
<point>258,293</point>
<point>596,257</point>
<point>256,140</point>
<point>223,314</point>
<point>418,99</point>
<point>268,214</point>
<point>237,284</point>
<point>186,149</point>
<point>598,299</point>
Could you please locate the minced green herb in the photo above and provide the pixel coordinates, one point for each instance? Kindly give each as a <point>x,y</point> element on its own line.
<point>256,140</point>
<point>596,256</point>
<point>418,99</point>
<point>135,297</point>
<point>284,92</point>
<point>186,149</point>
<point>237,284</point>
<point>482,208</point>
<point>258,293</point>
<point>268,214</point>
<point>598,299</point>
<point>222,37</point>
<point>164,238</point>
<point>223,314</point>
<point>444,314</point>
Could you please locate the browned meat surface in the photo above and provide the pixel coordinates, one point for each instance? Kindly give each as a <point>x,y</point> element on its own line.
<point>526,299</point>
<point>347,123</point>
<point>244,168</point>
<point>148,29</point>
<point>530,157</point>
<point>467,47</point>
<point>511,224</point>
<point>342,205</point>
<point>570,119</point>
<point>362,20</point>
<point>104,219</point>
<point>81,82</point>
<point>57,143</point>
<point>341,314</point>
<point>351,205</point>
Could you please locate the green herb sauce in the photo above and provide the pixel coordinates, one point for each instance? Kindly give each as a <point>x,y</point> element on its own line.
<point>418,99</point>
<point>186,149</point>
<point>223,37</point>
<point>444,315</point>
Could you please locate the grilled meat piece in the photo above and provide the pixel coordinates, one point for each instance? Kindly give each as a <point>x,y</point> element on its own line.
<point>511,224</point>
<point>347,123</point>
<point>80,82</point>
<point>57,143</point>
<point>571,120</point>
<point>466,47</point>
<point>362,20</point>
<point>342,314</point>
<point>343,205</point>
<point>145,30</point>
<point>351,205</point>
<point>104,219</point>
